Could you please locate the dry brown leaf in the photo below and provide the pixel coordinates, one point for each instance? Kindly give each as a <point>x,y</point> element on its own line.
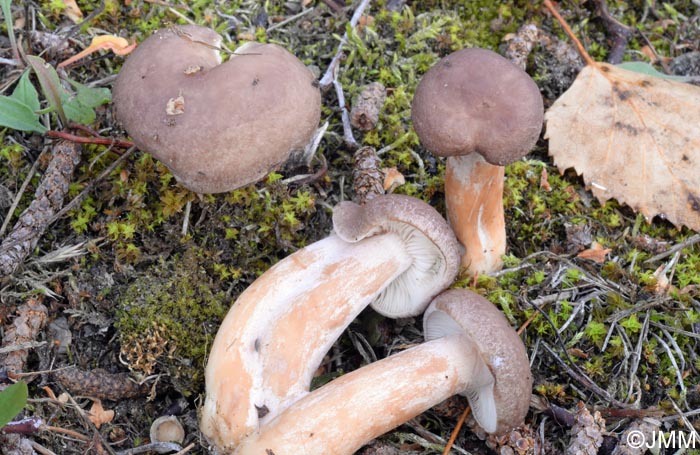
<point>662,282</point>
<point>544,180</point>
<point>634,138</point>
<point>99,415</point>
<point>595,253</point>
<point>116,44</point>
<point>72,11</point>
<point>392,179</point>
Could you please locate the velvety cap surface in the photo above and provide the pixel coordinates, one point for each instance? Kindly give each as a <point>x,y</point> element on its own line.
<point>474,100</point>
<point>216,126</point>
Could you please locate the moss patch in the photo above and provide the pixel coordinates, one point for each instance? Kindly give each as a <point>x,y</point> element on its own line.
<point>167,319</point>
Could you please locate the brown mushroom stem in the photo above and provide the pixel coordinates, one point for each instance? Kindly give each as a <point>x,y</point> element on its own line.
<point>474,196</point>
<point>351,410</point>
<point>275,336</point>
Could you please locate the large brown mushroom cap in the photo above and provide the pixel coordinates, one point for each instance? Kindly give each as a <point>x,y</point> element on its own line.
<point>216,126</point>
<point>500,347</point>
<point>474,100</point>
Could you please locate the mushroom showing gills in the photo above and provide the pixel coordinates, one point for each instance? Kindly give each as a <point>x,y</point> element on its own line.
<point>395,253</point>
<point>471,350</point>
<point>216,126</point>
<point>482,112</point>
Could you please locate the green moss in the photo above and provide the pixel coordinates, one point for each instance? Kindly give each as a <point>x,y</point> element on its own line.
<point>167,319</point>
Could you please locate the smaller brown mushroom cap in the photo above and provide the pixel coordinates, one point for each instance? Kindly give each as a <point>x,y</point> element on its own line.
<point>474,100</point>
<point>433,247</point>
<point>216,126</point>
<point>502,405</point>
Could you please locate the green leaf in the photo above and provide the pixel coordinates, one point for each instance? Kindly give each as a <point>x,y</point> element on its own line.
<point>77,111</point>
<point>26,93</point>
<point>18,116</point>
<point>79,107</point>
<point>12,401</point>
<point>50,84</point>
<point>7,13</point>
<point>646,68</point>
<point>91,97</point>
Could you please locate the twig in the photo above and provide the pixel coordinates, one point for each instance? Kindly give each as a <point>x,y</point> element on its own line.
<point>32,425</point>
<point>331,74</point>
<point>289,19</point>
<point>186,218</point>
<point>21,191</point>
<point>455,432</point>
<point>674,364</point>
<point>41,449</point>
<point>185,449</point>
<point>31,319</point>
<point>685,333</point>
<point>22,346</point>
<point>48,199</point>
<point>681,415</point>
<point>309,178</point>
<point>579,46</point>
<point>621,33</point>
<point>331,77</point>
<point>66,431</point>
<point>93,14</point>
<point>636,359</point>
<point>692,413</point>
<point>97,436</point>
<point>311,148</point>
<point>690,241</point>
<point>76,200</point>
<point>583,379</point>
<point>29,425</point>
<point>9,61</point>
<point>89,140</point>
<point>160,447</point>
<point>431,438</point>
<point>333,5</point>
<point>350,141</point>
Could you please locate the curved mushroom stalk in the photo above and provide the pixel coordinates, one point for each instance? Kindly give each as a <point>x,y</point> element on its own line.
<point>351,410</point>
<point>475,353</point>
<point>279,329</point>
<point>276,334</point>
<point>474,196</point>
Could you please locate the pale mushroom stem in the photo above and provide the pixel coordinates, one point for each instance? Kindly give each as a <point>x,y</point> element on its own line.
<point>474,195</point>
<point>351,410</point>
<point>275,336</point>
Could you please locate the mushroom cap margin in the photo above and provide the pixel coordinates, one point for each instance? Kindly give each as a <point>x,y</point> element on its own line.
<point>500,346</point>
